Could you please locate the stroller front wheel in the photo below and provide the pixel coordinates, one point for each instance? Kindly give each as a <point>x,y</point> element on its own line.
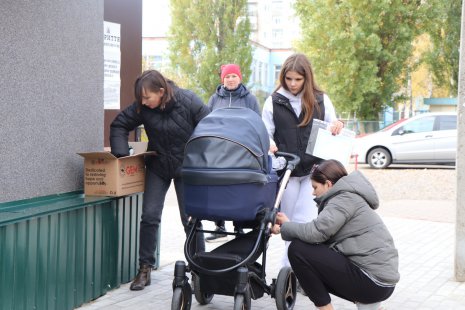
<point>285,290</point>
<point>242,301</point>
<point>182,298</point>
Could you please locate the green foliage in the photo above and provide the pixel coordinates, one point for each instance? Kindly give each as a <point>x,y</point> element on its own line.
<point>205,34</point>
<point>359,49</point>
<point>443,26</point>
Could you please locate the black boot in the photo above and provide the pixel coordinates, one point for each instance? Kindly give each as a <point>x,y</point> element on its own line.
<point>142,279</point>
<point>218,236</point>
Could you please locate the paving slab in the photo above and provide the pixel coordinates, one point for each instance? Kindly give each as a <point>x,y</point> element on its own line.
<point>426,255</point>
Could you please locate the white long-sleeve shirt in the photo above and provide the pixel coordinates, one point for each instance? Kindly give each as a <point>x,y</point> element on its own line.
<point>296,104</point>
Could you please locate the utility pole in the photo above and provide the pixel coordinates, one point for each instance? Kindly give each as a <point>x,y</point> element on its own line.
<point>409,76</point>
<point>460,164</point>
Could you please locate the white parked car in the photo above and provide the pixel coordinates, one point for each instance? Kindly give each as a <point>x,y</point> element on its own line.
<point>424,138</point>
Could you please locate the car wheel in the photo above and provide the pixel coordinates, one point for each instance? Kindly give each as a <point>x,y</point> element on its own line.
<point>379,158</point>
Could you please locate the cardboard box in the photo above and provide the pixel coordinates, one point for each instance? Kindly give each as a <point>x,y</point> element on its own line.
<point>107,175</point>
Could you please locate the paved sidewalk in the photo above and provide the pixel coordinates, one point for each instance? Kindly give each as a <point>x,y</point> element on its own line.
<point>426,250</point>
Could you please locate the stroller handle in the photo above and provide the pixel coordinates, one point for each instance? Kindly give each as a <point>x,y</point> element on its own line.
<point>292,160</point>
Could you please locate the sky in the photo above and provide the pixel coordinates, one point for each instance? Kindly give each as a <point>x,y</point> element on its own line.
<point>155,18</point>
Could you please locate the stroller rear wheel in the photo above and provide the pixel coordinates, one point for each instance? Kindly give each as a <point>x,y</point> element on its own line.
<point>285,291</point>
<point>182,298</point>
<point>242,301</point>
<point>201,297</point>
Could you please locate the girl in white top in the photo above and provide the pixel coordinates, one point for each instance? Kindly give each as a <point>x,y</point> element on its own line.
<point>288,116</point>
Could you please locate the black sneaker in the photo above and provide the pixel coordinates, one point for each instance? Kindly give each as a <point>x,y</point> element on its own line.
<point>218,236</point>
<point>239,231</point>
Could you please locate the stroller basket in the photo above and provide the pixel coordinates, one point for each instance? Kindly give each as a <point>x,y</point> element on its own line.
<point>226,170</point>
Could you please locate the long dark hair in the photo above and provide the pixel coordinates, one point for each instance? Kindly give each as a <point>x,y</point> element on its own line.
<point>300,64</point>
<point>153,80</point>
<point>328,170</point>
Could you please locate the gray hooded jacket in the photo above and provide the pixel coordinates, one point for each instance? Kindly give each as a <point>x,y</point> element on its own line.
<point>238,98</point>
<point>348,223</point>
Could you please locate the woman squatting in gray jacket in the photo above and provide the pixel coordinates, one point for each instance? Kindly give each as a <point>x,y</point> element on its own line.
<point>347,250</point>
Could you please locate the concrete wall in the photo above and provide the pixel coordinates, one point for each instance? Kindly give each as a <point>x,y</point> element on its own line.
<point>51,94</point>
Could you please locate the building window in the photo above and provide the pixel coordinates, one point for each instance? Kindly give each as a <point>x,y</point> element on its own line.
<point>254,71</point>
<point>277,6</point>
<point>252,8</point>
<point>265,75</point>
<point>277,69</point>
<point>276,20</point>
<point>277,36</point>
<point>253,23</point>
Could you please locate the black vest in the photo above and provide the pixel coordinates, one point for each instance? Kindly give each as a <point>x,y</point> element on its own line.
<point>289,137</point>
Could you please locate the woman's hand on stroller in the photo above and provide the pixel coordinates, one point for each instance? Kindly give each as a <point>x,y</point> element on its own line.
<point>276,229</point>
<point>291,160</point>
<point>280,219</point>
<point>273,148</point>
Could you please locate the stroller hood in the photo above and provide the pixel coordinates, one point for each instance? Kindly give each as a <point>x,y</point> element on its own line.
<point>229,138</point>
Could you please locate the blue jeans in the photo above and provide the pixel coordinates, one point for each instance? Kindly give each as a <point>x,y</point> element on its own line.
<point>152,208</point>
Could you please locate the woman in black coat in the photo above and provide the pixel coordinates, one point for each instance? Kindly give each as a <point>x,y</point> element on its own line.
<point>169,115</point>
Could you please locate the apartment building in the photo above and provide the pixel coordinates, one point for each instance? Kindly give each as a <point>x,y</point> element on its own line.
<point>274,28</point>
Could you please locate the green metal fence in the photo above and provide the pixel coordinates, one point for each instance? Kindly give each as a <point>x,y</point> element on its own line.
<point>60,251</point>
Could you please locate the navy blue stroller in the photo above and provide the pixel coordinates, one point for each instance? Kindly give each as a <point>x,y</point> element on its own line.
<point>228,176</point>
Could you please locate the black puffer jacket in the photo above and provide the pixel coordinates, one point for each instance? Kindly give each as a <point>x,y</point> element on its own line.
<point>240,98</point>
<point>167,130</point>
<point>291,138</point>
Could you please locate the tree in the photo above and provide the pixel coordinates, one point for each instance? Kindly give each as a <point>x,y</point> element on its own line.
<point>359,49</point>
<point>205,34</point>
<point>443,25</point>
